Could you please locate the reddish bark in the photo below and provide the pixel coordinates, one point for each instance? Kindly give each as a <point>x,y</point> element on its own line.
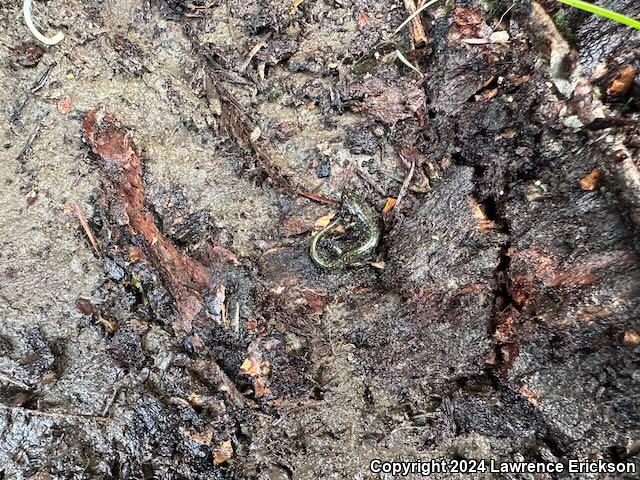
<point>186,279</point>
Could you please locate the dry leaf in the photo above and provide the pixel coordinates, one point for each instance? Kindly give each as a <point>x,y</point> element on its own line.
<point>203,438</point>
<point>260,387</point>
<point>223,254</point>
<point>276,402</point>
<point>250,366</point>
<point>470,23</point>
<point>489,94</point>
<point>530,395</point>
<point>391,202</point>
<point>323,221</point>
<point>135,254</point>
<point>295,225</point>
<point>386,101</point>
<point>521,80</point>
<point>622,83</point>
<point>362,18</point>
<point>84,306</point>
<point>316,301</point>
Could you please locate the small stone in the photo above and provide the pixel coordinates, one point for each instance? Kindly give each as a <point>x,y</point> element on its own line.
<point>323,170</point>
<point>114,271</point>
<point>32,196</point>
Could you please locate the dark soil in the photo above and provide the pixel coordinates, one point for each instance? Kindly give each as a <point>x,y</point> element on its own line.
<point>165,167</point>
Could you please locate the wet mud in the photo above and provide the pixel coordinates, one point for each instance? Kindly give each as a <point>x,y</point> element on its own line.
<point>164,170</point>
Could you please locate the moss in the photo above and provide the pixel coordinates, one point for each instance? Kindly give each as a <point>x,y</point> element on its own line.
<point>562,23</point>
<point>491,7</point>
<point>448,7</point>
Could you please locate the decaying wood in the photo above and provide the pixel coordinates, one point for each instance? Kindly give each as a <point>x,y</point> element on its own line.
<point>573,84</point>
<point>186,279</point>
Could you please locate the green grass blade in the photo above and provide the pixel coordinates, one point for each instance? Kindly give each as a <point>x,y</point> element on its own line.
<point>603,12</point>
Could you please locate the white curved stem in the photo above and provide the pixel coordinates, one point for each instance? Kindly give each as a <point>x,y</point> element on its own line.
<point>57,38</point>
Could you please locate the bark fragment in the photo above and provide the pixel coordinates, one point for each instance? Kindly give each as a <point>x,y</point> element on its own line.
<point>186,279</point>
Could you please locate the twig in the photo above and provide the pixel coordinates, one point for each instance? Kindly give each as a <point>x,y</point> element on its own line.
<point>503,15</point>
<point>252,53</point>
<point>29,143</point>
<point>83,221</point>
<point>106,408</point>
<point>414,15</point>
<point>13,381</point>
<point>235,120</point>
<point>319,198</point>
<point>32,138</point>
<point>419,37</point>
<point>236,319</point>
<point>405,184</point>
<point>39,83</point>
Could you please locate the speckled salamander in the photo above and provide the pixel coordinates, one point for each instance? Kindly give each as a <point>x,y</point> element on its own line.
<point>365,215</point>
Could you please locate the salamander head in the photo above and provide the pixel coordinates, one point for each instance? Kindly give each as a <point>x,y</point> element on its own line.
<point>350,201</point>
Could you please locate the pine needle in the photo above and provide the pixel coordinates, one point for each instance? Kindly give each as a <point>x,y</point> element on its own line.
<point>414,14</point>
<point>404,60</point>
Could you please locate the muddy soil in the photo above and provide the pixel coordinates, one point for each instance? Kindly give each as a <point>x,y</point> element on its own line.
<point>165,166</point>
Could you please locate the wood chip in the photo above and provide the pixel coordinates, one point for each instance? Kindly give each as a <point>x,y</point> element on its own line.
<point>391,202</point>
<point>417,30</point>
<point>250,366</point>
<point>591,181</point>
<point>223,453</point>
<point>499,37</point>
<point>631,338</point>
<point>622,83</point>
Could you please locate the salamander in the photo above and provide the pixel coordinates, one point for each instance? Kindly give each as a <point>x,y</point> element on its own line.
<point>369,236</point>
